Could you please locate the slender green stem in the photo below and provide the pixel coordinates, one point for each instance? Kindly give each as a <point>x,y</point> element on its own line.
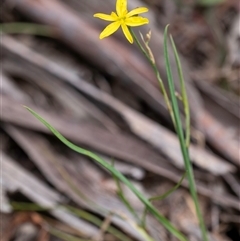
<point>161,197</point>
<point>169,191</point>
<point>184,93</point>
<point>124,199</point>
<point>162,87</point>
<point>121,195</point>
<point>184,148</point>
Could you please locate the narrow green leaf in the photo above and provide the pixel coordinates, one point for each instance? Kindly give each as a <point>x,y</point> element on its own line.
<point>161,197</point>
<point>124,200</point>
<point>183,92</point>
<point>179,130</point>
<point>166,223</point>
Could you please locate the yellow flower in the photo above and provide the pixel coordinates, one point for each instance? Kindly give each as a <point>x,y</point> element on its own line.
<point>122,18</point>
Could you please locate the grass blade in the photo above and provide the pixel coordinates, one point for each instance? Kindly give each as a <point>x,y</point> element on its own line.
<point>183,92</point>
<point>165,222</point>
<point>161,197</point>
<point>179,130</point>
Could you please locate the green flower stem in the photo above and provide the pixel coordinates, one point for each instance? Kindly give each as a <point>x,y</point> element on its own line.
<point>162,87</point>
<point>180,134</point>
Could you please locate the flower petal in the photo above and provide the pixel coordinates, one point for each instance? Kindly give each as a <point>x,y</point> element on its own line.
<point>115,16</point>
<point>127,33</point>
<point>121,7</point>
<point>136,21</point>
<point>106,17</point>
<point>110,29</point>
<point>137,11</point>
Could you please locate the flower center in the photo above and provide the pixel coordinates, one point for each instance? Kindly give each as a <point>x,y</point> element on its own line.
<point>122,18</point>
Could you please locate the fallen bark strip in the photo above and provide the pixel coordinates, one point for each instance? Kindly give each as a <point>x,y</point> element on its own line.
<point>229,102</point>
<point>72,103</point>
<point>15,178</point>
<point>220,120</point>
<point>220,138</point>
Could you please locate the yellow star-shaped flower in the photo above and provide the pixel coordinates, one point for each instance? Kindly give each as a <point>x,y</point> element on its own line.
<point>122,18</point>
